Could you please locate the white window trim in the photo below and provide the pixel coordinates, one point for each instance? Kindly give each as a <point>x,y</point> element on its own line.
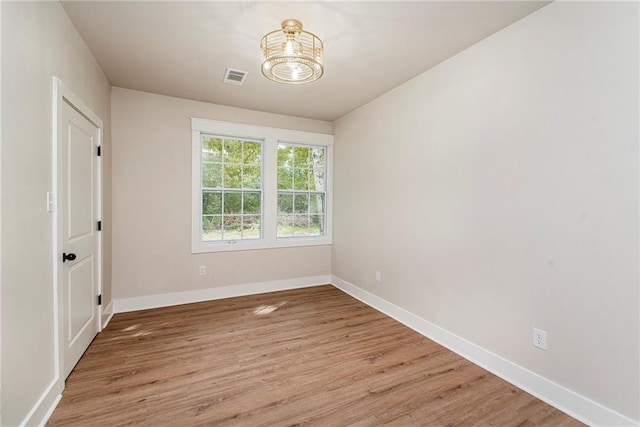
<point>271,136</point>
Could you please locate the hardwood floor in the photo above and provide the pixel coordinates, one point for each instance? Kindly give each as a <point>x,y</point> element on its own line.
<point>311,356</point>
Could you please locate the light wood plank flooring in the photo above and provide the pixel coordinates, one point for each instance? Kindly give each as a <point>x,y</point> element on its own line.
<point>312,356</point>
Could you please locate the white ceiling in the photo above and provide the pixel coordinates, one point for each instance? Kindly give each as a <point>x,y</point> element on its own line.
<point>181,48</point>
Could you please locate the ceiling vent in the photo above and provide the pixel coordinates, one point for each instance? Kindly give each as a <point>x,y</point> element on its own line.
<point>235,77</point>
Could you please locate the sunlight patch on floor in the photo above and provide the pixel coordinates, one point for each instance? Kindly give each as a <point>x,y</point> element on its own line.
<point>132,333</point>
<point>266,309</point>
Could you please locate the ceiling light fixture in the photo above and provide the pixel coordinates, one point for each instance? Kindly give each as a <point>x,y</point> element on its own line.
<point>291,55</point>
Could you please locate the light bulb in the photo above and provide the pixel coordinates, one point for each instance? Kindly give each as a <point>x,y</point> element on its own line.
<point>288,48</point>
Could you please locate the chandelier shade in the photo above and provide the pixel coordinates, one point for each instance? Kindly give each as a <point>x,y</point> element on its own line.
<point>292,55</point>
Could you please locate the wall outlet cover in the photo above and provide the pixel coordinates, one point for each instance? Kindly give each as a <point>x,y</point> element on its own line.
<point>540,338</point>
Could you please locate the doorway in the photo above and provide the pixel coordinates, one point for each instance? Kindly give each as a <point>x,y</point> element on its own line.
<point>77,229</point>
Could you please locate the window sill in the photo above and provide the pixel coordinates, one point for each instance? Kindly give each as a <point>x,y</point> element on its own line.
<point>289,242</point>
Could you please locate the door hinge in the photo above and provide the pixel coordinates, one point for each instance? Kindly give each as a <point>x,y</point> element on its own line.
<point>99,150</point>
<point>100,299</point>
<point>99,226</point>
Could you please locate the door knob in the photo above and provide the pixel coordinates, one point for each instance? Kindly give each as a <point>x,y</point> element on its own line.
<point>68,257</point>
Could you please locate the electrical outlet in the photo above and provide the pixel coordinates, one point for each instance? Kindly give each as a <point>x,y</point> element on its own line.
<point>203,270</point>
<point>540,338</point>
<point>378,277</point>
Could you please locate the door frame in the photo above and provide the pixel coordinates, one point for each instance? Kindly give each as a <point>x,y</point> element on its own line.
<point>61,95</point>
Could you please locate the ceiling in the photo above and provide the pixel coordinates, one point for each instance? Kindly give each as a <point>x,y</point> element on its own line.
<point>182,48</point>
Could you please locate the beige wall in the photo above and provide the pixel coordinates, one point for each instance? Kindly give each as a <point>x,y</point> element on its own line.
<point>38,42</point>
<point>498,192</point>
<point>152,202</point>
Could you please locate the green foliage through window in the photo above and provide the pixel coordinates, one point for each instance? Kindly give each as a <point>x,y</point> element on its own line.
<point>301,190</point>
<point>231,188</point>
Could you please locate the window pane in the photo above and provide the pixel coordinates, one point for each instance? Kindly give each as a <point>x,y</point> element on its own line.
<point>301,157</point>
<point>301,168</point>
<point>317,156</point>
<point>316,179</point>
<point>252,152</point>
<point>211,228</point>
<point>251,227</point>
<point>316,225</point>
<point>232,176</point>
<point>232,202</point>
<point>301,203</point>
<point>211,149</point>
<point>285,178</point>
<point>285,203</point>
<point>211,203</point>
<point>232,227</point>
<point>285,226</point>
<point>251,203</point>
<point>211,175</point>
<point>316,203</point>
<point>301,179</point>
<point>251,177</point>
<point>285,155</point>
<point>301,225</point>
<point>232,151</point>
<point>231,165</point>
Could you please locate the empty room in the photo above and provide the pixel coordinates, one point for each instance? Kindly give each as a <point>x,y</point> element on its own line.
<point>334,213</point>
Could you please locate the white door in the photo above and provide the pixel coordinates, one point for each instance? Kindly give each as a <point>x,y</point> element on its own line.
<point>78,205</point>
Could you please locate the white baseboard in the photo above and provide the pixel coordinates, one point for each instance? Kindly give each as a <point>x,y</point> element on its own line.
<point>49,412</point>
<point>568,401</point>
<point>44,407</point>
<point>107,314</point>
<point>175,298</point>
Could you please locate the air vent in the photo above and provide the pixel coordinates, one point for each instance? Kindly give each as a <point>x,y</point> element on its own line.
<point>235,77</point>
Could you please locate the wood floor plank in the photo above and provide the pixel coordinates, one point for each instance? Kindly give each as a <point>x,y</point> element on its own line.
<point>312,356</point>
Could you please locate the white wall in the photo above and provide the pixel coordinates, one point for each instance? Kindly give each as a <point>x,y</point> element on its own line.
<point>498,192</point>
<point>152,202</point>
<point>38,42</point>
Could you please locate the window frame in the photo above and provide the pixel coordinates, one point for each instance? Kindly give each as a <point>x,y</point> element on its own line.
<point>309,192</point>
<point>223,190</point>
<point>270,136</point>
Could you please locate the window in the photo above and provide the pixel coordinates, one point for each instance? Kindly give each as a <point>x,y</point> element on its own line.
<point>231,188</point>
<point>301,190</point>
<point>257,187</point>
